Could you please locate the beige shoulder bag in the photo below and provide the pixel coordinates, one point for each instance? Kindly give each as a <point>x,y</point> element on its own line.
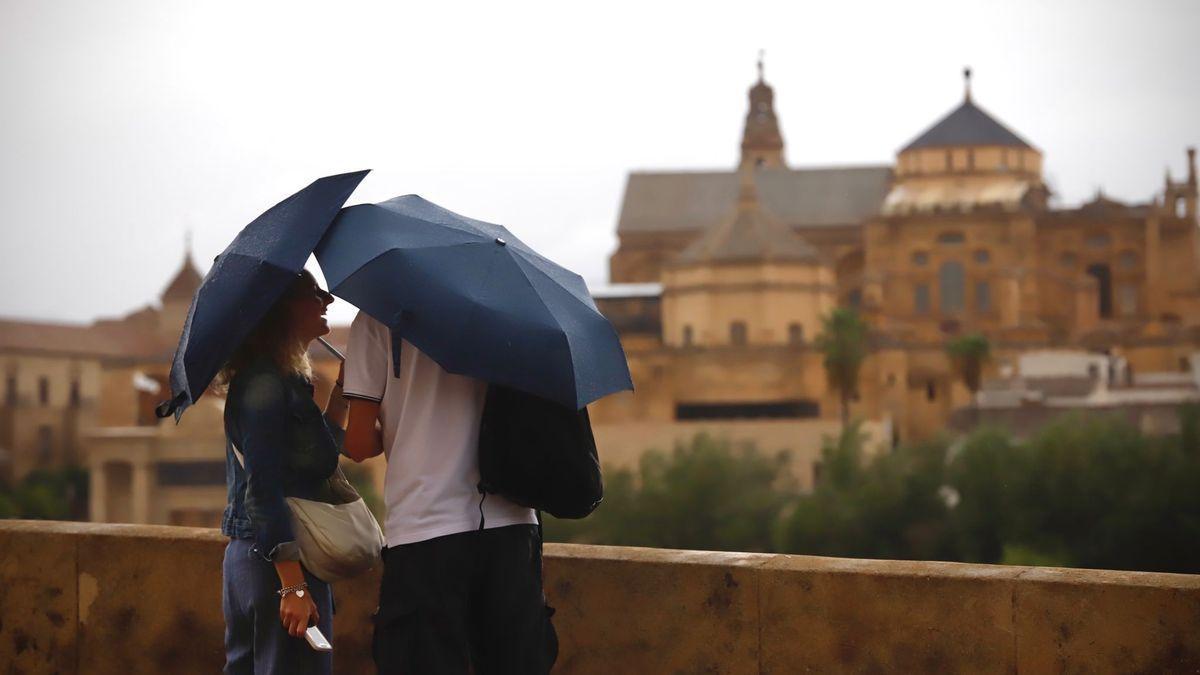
<point>337,540</point>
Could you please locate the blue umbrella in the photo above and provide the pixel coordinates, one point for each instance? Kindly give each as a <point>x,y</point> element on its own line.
<point>474,298</point>
<point>246,280</point>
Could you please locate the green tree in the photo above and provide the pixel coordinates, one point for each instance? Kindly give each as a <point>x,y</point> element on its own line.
<point>969,353</point>
<point>707,494</point>
<point>890,507</point>
<point>47,494</point>
<point>843,341</point>
<point>1095,492</point>
<point>984,476</point>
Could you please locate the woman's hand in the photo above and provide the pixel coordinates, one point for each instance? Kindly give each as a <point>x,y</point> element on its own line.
<point>297,613</point>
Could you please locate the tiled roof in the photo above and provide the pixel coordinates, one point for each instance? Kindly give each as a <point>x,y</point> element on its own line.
<point>112,340</point>
<point>129,338</point>
<point>691,201</point>
<point>749,234</point>
<point>185,283</point>
<point>968,124</point>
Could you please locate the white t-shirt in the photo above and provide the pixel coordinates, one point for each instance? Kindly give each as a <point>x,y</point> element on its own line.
<point>430,421</point>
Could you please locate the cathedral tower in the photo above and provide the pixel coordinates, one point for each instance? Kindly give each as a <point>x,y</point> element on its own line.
<point>762,143</point>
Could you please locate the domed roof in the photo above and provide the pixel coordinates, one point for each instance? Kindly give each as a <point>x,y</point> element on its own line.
<point>968,124</point>
<point>751,235</point>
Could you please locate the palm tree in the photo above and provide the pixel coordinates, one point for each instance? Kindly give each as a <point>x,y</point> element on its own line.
<point>969,353</point>
<point>843,341</point>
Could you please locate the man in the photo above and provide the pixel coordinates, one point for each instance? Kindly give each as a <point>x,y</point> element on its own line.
<point>462,582</point>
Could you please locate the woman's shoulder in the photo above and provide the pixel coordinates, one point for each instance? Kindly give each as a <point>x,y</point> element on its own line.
<point>260,380</point>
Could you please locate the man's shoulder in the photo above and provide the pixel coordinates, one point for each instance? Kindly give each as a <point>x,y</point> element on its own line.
<point>365,322</point>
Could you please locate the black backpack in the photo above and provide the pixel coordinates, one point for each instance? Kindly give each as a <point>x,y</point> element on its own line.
<point>538,453</point>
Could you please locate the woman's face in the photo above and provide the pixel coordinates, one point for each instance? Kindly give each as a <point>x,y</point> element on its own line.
<point>306,307</point>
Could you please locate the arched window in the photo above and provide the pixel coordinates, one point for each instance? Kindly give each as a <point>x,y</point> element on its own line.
<point>687,335</point>
<point>921,299</point>
<point>795,334</point>
<point>10,389</point>
<point>737,332</point>
<point>982,256</point>
<point>983,297</point>
<point>951,286</point>
<point>1103,278</point>
<point>1127,260</point>
<point>920,258</point>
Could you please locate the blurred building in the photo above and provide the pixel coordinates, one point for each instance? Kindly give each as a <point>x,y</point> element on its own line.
<point>720,277</point>
<point>718,287</point>
<point>85,395</point>
<point>1045,385</point>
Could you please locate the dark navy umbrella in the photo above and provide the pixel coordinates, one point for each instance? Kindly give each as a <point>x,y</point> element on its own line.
<point>246,280</point>
<point>474,298</point>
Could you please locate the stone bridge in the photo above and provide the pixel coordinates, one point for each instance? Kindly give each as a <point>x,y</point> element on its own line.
<point>98,599</point>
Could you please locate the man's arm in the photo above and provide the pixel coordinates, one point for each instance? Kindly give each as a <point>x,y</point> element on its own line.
<point>364,439</point>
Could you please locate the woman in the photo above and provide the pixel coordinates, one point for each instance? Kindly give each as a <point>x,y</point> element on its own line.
<point>279,445</point>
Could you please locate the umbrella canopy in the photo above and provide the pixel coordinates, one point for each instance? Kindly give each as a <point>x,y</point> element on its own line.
<point>246,280</point>
<point>474,298</point>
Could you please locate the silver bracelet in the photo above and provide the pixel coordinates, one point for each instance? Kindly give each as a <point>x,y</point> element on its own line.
<point>298,589</point>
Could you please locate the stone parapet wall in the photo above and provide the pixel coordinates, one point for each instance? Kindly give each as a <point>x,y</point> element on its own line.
<point>87,598</point>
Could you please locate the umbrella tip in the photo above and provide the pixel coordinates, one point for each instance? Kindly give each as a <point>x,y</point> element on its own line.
<point>171,405</point>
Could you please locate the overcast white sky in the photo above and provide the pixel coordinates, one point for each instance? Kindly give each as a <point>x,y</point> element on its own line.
<point>126,123</point>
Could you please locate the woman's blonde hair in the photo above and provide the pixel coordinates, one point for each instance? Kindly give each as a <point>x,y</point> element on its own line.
<point>271,337</point>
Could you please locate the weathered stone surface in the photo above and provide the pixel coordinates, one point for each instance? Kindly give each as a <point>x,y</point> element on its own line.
<point>823,615</point>
<point>124,599</point>
<point>629,610</point>
<point>354,601</point>
<point>1078,621</point>
<point>150,600</point>
<point>37,599</point>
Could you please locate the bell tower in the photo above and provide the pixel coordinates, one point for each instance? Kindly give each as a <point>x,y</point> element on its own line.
<point>762,143</point>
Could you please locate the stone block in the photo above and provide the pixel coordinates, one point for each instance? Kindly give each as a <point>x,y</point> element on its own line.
<point>1082,621</point>
<point>628,610</point>
<point>150,600</point>
<point>355,601</point>
<point>37,599</point>
<point>822,615</point>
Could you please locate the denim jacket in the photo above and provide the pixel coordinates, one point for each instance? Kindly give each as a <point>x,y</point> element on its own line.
<point>290,450</point>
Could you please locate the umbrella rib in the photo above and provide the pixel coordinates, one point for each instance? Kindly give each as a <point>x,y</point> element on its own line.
<point>574,383</point>
<point>553,280</point>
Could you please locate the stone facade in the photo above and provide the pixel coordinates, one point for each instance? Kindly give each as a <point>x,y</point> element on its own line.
<point>957,236</point>
<point>85,395</point>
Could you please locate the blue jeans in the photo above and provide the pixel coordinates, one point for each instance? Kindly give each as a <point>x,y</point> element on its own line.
<point>256,642</point>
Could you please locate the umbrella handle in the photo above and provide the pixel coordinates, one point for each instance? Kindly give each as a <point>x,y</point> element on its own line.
<point>332,350</point>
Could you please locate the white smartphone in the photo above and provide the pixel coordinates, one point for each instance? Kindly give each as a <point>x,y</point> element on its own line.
<point>316,640</point>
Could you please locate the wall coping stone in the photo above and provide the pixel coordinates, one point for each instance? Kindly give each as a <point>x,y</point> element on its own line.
<point>105,598</point>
